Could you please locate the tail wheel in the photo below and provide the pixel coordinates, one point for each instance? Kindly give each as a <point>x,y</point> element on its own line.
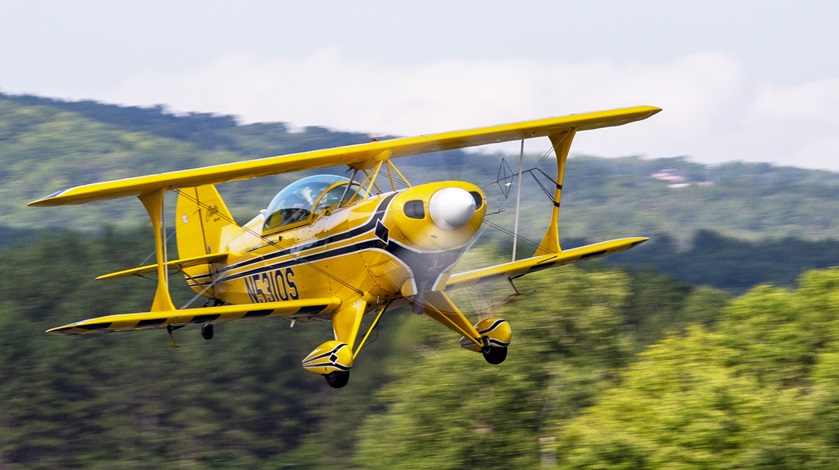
<point>207,331</point>
<point>338,379</point>
<point>494,355</point>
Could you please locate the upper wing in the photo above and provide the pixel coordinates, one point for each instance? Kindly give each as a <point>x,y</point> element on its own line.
<point>356,155</point>
<point>519,268</point>
<point>196,316</point>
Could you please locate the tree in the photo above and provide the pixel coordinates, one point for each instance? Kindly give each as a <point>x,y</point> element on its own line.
<point>448,409</point>
<point>682,406</point>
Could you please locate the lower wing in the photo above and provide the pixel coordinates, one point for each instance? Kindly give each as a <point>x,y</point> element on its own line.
<point>197,316</point>
<point>519,268</point>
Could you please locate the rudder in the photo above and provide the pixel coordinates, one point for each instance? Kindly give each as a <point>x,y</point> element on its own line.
<point>201,219</point>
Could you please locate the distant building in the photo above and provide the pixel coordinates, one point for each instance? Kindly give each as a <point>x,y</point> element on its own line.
<point>669,175</point>
<point>675,179</point>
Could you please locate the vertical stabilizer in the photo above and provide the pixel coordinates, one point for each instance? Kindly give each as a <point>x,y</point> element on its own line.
<point>200,217</point>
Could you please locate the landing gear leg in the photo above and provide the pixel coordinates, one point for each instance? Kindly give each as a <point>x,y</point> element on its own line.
<point>170,329</point>
<point>441,308</point>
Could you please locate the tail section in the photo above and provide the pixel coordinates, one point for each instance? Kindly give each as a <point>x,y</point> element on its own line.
<point>201,216</point>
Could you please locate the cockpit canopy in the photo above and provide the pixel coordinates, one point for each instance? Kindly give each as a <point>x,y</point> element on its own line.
<point>308,197</point>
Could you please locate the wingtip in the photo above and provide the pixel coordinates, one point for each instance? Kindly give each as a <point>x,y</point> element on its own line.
<point>47,200</point>
<point>59,330</point>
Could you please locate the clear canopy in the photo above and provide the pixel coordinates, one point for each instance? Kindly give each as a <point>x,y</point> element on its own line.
<point>307,197</point>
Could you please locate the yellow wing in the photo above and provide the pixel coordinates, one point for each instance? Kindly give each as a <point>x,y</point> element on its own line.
<point>174,266</point>
<point>196,316</point>
<point>358,156</point>
<point>519,268</point>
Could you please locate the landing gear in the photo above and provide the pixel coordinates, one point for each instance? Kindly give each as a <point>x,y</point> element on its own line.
<point>337,379</point>
<point>494,355</point>
<point>170,329</point>
<point>207,331</point>
<point>495,336</point>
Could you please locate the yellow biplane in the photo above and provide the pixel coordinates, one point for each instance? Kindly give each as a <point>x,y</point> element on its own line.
<point>332,248</point>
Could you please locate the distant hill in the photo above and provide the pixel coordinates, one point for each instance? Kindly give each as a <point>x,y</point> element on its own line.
<point>47,145</point>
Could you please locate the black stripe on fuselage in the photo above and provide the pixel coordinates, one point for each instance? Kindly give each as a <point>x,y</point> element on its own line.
<point>425,267</point>
<point>354,248</point>
<point>378,215</point>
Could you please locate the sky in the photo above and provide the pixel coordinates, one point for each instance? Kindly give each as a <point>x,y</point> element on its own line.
<point>749,80</point>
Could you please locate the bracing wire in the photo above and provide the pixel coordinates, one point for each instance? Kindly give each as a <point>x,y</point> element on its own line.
<point>400,181</point>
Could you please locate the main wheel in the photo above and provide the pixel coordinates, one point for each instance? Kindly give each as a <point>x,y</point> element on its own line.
<point>207,331</point>
<point>337,379</point>
<point>495,355</point>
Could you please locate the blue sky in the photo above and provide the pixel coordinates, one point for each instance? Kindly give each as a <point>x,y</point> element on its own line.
<point>738,80</point>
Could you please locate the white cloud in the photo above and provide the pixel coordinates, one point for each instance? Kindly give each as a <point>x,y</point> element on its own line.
<point>710,111</point>
<point>817,100</point>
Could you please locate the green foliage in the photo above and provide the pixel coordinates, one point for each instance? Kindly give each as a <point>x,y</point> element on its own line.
<point>681,406</point>
<point>572,333</point>
<point>759,390</point>
<point>609,367</point>
<point>242,400</point>
<point>452,410</point>
<point>746,200</point>
<point>125,400</point>
<point>731,264</point>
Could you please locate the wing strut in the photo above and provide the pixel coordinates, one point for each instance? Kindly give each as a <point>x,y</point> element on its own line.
<point>518,200</point>
<point>561,144</point>
<point>153,202</point>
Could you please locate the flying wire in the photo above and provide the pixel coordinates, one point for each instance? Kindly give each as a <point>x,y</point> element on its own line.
<point>326,273</point>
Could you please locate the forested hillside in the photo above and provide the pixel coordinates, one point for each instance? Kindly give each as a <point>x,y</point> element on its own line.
<point>715,344</point>
<point>607,368</point>
<point>782,220</point>
<point>242,400</point>
<point>47,145</point>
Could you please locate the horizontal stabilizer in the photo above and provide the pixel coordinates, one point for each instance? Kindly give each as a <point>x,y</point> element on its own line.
<point>519,268</point>
<point>174,266</point>
<point>197,316</point>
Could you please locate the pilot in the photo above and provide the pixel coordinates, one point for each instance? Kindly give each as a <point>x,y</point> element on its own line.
<point>297,213</point>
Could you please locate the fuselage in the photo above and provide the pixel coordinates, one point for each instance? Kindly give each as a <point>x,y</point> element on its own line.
<point>380,248</point>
